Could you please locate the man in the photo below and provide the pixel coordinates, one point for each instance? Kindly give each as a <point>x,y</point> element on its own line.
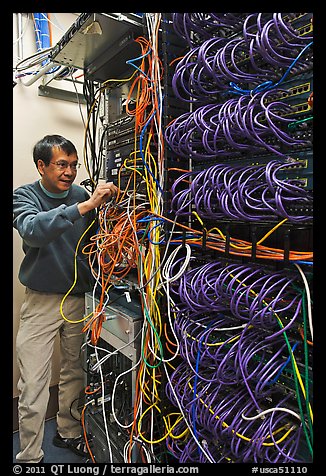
<point>52,215</point>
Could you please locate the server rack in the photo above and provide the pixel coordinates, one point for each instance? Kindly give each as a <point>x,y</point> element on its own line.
<point>235,241</point>
<point>216,298</point>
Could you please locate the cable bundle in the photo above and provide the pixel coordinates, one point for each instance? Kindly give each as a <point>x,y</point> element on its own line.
<point>241,192</point>
<point>232,355</point>
<point>220,416</point>
<point>186,449</point>
<point>266,48</point>
<point>216,284</point>
<point>237,328</point>
<point>244,124</point>
<point>197,27</point>
<point>128,238</point>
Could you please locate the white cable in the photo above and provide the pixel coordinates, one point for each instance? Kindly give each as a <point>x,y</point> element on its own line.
<point>39,74</point>
<point>103,410</point>
<point>308,299</point>
<point>168,264</point>
<point>23,31</point>
<point>165,275</point>
<point>152,21</point>
<point>127,446</point>
<point>113,393</point>
<point>48,19</point>
<point>110,353</point>
<point>269,410</point>
<point>226,328</point>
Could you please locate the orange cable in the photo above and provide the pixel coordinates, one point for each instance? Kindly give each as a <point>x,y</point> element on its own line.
<point>302,335</point>
<point>85,434</point>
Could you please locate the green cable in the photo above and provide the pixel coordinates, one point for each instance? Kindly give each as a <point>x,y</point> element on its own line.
<point>293,124</point>
<point>296,386</point>
<point>145,233</point>
<point>152,326</point>
<point>294,375</point>
<point>306,356</point>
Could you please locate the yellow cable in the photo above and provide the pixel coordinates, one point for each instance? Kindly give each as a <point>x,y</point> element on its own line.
<point>250,440</point>
<point>293,358</point>
<point>185,431</point>
<point>216,343</point>
<point>247,247</point>
<point>263,238</point>
<point>75,280</point>
<point>169,430</point>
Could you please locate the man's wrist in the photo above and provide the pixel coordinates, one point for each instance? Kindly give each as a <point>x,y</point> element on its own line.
<point>83,208</point>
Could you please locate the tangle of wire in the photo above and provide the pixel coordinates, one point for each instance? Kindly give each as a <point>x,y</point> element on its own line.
<point>197,27</point>
<point>267,50</point>
<point>238,327</point>
<point>250,193</point>
<point>127,238</point>
<point>238,332</point>
<point>250,124</point>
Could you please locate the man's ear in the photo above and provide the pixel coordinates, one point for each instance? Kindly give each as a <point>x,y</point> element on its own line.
<point>40,166</point>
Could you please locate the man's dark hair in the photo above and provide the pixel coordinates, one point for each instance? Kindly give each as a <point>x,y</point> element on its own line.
<point>43,148</point>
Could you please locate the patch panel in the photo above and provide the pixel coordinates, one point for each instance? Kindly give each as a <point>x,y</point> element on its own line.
<point>293,17</point>
<point>306,29</point>
<point>301,89</point>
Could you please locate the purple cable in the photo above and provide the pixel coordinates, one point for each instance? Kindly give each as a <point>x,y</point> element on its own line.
<point>203,25</point>
<point>190,133</point>
<point>222,66</point>
<point>237,194</point>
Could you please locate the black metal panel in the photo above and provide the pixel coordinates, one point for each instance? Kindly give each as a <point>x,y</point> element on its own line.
<point>99,44</point>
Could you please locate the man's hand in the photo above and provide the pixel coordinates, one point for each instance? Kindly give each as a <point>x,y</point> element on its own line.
<point>101,194</point>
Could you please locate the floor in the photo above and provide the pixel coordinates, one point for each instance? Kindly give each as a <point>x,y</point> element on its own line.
<point>52,454</point>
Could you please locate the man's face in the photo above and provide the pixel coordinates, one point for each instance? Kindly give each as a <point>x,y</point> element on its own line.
<point>58,176</point>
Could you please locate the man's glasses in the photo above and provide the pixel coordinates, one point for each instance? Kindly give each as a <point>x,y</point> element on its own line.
<point>63,165</point>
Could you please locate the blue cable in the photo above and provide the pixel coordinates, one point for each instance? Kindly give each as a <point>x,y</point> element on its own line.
<point>283,366</point>
<point>149,232</point>
<point>267,84</point>
<point>42,34</point>
<point>149,218</point>
<point>304,262</point>
<point>138,58</point>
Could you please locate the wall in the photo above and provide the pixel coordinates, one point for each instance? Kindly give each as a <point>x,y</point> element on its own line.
<point>33,117</point>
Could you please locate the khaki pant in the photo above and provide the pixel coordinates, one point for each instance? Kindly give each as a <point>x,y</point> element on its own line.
<point>40,322</point>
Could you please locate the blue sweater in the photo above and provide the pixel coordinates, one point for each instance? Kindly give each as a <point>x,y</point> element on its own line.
<point>50,229</point>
